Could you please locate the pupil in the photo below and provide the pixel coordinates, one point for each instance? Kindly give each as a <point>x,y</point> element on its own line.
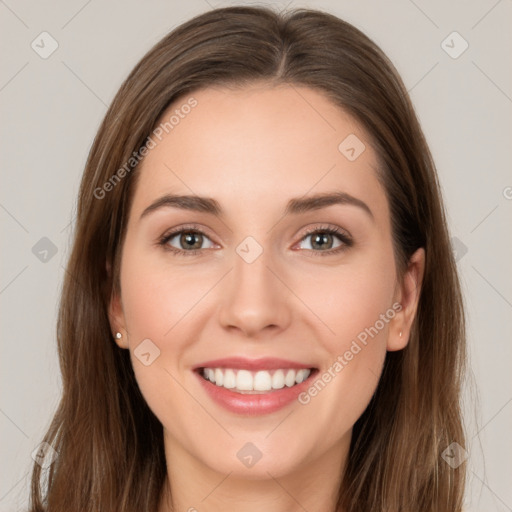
<point>321,239</point>
<point>188,240</point>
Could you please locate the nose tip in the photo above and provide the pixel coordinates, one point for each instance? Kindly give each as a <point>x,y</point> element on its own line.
<point>254,300</point>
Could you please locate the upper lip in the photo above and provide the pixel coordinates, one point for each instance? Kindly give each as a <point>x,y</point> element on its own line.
<point>242,363</point>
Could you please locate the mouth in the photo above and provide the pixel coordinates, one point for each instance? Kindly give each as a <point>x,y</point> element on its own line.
<point>245,381</point>
<point>254,387</point>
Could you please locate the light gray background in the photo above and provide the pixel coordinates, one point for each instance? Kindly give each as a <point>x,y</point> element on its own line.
<point>51,109</point>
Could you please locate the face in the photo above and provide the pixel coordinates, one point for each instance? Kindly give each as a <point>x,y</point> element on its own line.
<point>259,308</point>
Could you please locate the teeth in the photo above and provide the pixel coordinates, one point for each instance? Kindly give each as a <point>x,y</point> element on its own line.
<point>302,375</point>
<point>260,381</point>
<point>278,380</point>
<point>229,379</point>
<point>219,377</point>
<point>289,380</point>
<point>244,380</point>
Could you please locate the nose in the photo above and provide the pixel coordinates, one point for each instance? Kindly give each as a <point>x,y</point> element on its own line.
<point>255,299</point>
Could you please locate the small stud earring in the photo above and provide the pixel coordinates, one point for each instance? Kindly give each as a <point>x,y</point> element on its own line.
<point>398,335</point>
<point>119,335</point>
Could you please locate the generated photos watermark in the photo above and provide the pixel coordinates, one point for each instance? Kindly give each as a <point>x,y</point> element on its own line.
<point>343,360</point>
<point>151,143</point>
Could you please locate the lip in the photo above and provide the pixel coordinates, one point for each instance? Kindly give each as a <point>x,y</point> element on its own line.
<point>263,363</point>
<point>253,404</point>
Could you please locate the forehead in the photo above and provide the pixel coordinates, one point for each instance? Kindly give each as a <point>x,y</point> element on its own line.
<point>258,145</point>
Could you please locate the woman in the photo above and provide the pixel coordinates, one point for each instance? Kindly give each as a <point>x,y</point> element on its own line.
<point>210,360</point>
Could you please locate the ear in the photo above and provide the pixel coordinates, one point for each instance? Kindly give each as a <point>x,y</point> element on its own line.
<point>116,317</point>
<point>407,295</point>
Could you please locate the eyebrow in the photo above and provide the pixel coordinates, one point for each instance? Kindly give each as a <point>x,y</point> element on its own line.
<point>294,206</point>
<point>323,200</point>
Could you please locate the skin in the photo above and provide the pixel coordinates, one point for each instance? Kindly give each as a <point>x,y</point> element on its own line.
<point>253,149</point>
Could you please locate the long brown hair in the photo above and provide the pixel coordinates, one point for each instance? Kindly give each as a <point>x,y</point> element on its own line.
<point>110,445</point>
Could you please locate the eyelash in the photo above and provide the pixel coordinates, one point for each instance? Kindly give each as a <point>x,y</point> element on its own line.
<point>180,252</point>
<point>343,236</point>
<point>339,233</point>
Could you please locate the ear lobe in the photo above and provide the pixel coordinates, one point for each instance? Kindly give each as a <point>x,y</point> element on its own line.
<point>408,295</point>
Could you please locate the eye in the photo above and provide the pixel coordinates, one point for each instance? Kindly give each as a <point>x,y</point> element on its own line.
<point>320,241</point>
<point>326,240</point>
<point>186,241</point>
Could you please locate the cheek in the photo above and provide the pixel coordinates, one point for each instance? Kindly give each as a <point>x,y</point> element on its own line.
<point>155,305</point>
<point>354,305</point>
<point>157,297</point>
<point>350,301</point>
<point>160,304</point>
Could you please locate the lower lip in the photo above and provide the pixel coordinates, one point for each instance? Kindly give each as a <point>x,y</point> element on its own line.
<point>254,404</point>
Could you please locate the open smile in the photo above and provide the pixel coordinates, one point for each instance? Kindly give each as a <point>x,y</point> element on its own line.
<point>254,387</point>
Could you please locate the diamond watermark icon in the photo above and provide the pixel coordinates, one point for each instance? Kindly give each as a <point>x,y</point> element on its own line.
<point>249,250</point>
<point>44,250</point>
<point>454,455</point>
<point>459,248</point>
<point>249,455</point>
<point>44,45</point>
<point>146,352</point>
<point>454,45</point>
<point>44,455</point>
<point>351,147</point>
